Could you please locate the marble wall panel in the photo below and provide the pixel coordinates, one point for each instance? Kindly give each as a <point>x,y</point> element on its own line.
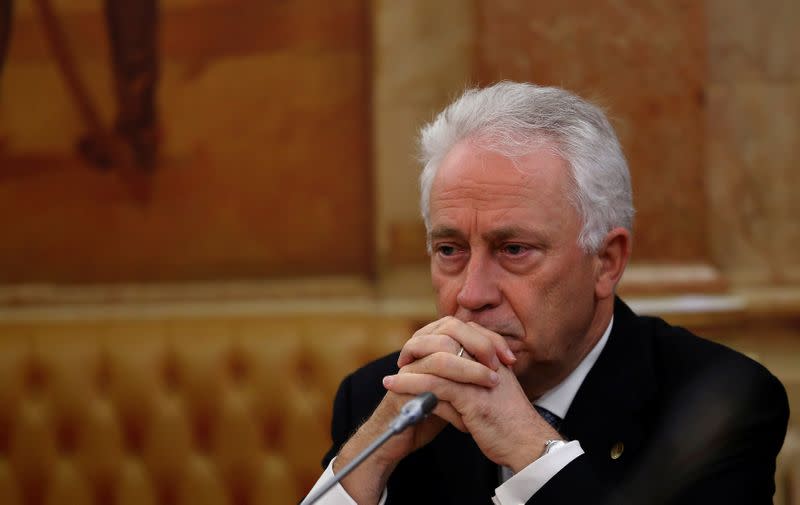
<point>753,179</point>
<point>422,59</point>
<point>643,60</point>
<point>753,40</point>
<point>753,124</point>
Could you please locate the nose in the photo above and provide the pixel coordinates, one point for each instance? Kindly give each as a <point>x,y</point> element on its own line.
<point>479,289</point>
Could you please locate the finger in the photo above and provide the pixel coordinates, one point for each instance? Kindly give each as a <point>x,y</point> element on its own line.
<point>420,346</point>
<point>430,327</point>
<point>451,367</point>
<point>415,384</point>
<point>462,353</point>
<point>501,346</point>
<point>443,410</point>
<point>449,414</point>
<point>470,335</point>
<point>480,346</point>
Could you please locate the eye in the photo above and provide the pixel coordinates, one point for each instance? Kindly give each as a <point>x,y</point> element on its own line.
<point>514,249</point>
<point>445,250</point>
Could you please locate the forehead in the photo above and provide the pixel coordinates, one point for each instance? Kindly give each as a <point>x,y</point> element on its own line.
<point>491,189</point>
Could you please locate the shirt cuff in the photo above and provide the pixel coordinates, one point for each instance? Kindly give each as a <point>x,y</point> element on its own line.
<point>337,495</point>
<point>520,487</point>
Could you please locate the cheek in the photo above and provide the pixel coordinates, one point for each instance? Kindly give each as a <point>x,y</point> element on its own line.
<point>572,283</point>
<point>567,309</point>
<point>446,291</point>
<point>581,286</point>
<point>545,311</point>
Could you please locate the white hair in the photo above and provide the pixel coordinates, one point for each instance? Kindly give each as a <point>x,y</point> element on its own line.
<point>512,119</point>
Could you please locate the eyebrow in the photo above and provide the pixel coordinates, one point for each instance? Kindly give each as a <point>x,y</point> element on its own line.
<point>445,232</point>
<point>497,235</point>
<point>508,232</point>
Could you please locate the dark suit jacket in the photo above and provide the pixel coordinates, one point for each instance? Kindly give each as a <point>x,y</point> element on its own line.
<point>698,423</point>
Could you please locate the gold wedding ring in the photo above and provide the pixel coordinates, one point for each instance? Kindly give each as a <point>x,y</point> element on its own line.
<point>460,352</point>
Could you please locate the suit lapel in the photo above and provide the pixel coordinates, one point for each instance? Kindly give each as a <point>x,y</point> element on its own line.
<point>612,408</point>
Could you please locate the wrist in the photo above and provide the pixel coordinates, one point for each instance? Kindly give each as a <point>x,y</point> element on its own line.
<point>532,444</point>
<point>378,463</point>
<point>366,483</point>
<point>531,452</point>
<point>554,445</point>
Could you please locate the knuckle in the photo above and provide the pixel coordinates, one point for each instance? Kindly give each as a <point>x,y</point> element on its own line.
<point>441,341</point>
<point>413,341</point>
<point>483,411</point>
<point>439,359</point>
<point>448,341</point>
<point>427,383</point>
<point>450,323</point>
<point>487,377</point>
<point>425,330</point>
<point>415,346</point>
<point>485,350</point>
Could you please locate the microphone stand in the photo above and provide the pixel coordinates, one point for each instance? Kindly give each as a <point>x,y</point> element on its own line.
<point>412,412</point>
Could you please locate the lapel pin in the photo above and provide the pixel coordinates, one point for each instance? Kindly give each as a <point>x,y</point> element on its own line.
<point>616,450</point>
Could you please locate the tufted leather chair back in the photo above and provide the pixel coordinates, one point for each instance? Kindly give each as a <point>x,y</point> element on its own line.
<point>206,411</point>
<point>174,412</point>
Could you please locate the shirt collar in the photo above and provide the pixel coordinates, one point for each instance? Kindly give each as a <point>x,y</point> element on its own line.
<point>559,399</point>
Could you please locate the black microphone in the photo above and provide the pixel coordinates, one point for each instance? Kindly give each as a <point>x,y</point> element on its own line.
<point>413,411</point>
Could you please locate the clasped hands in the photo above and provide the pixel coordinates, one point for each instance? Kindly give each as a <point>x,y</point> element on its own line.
<point>478,393</point>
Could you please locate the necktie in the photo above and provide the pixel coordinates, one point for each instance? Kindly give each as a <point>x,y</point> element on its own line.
<point>552,419</point>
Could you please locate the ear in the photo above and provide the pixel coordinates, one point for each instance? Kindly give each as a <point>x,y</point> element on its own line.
<point>611,260</point>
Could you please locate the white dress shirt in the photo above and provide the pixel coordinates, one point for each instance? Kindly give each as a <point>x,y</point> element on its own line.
<point>516,489</point>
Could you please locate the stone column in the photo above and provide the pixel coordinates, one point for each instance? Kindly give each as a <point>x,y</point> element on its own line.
<point>753,149</point>
<point>422,55</point>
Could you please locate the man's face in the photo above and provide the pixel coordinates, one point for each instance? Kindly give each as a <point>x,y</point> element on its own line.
<point>505,254</point>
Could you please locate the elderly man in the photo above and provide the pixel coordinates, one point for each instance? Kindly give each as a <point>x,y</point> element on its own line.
<point>551,391</point>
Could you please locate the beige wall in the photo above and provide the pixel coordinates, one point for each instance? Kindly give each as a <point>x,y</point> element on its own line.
<point>705,99</point>
<point>422,58</point>
<point>753,154</point>
<point>264,111</point>
<point>704,95</point>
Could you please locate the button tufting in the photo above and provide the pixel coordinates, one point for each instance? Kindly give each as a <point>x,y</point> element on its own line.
<point>170,374</point>
<point>35,375</point>
<point>272,433</point>
<point>237,366</point>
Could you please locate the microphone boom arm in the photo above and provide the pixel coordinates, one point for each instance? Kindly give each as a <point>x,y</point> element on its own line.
<point>412,412</point>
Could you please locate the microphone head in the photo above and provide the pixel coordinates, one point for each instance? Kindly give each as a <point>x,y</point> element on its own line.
<point>414,411</point>
<point>428,401</point>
